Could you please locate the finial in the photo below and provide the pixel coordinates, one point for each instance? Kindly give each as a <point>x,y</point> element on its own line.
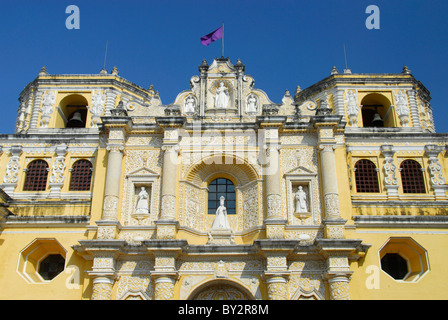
<point>115,71</point>
<point>406,70</point>
<point>334,70</point>
<point>151,88</point>
<point>103,71</point>
<point>43,71</point>
<point>347,71</point>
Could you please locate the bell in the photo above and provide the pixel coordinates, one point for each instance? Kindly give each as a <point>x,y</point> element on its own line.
<point>377,121</point>
<point>76,121</point>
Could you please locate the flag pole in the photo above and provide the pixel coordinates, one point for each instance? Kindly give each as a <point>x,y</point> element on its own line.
<point>223,39</point>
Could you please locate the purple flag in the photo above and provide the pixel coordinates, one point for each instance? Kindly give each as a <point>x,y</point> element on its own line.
<point>213,36</point>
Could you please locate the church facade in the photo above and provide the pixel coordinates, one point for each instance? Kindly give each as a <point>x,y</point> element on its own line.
<point>337,192</point>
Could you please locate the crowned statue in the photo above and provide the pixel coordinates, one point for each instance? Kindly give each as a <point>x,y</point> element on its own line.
<point>190,104</point>
<point>222,97</point>
<point>221,221</point>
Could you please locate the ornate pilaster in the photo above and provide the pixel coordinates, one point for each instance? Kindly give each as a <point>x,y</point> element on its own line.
<point>57,171</point>
<point>167,223</point>
<point>390,180</point>
<point>102,288</point>
<point>436,171</point>
<point>117,127</point>
<point>164,274</point>
<point>164,287</point>
<point>337,253</point>
<point>12,170</point>
<point>277,286</point>
<point>103,274</point>
<point>338,286</point>
<point>47,108</point>
<point>270,159</point>
<point>326,125</point>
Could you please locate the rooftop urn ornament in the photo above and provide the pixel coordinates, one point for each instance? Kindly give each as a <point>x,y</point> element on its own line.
<point>334,70</point>
<point>222,97</point>
<point>406,70</point>
<point>221,221</point>
<point>43,71</point>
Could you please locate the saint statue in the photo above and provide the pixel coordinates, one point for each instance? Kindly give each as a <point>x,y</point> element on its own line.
<point>221,221</point>
<point>142,203</point>
<point>251,104</point>
<point>300,198</point>
<point>222,97</point>
<point>190,105</point>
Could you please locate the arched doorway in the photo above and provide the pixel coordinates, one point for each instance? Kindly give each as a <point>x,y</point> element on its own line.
<point>221,290</point>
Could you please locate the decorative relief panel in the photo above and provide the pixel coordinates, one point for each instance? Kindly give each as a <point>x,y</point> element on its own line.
<point>191,213</point>
<point>251,209</point>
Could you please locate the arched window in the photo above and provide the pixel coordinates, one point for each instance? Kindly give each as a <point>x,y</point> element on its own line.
<point>366,176</point>
<point>412,177</point>
<point>221,187</point>
<point>36,176</point>
<point>81,175</point>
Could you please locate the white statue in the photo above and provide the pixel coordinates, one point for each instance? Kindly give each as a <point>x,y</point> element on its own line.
<point>190,104</point>
<point>402,107</point>
<point>252,105</point>
<point>142,203</point>
<point>352,107</point>
<point>222,97</point>
<point>300,198</point>
<point>221,221</point>
<point>98,101</point>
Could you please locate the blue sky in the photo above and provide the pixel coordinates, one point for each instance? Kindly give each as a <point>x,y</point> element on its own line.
<point>283,43</point>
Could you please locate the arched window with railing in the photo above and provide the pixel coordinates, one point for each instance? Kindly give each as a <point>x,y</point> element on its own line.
<point>36,176</point>
<point>81,175</point>
<point>366,176</point>
<point>412,179</point>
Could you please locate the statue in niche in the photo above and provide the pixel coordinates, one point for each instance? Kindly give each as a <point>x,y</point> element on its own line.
<point>190,105</point>
<point>252,104</point>
<point>221,221</point>
<point>142,202</point>
<point>222,97</point>
<point>300,200</point>
<point>352,107</point>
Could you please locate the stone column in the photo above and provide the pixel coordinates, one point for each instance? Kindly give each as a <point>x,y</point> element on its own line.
<point>117,126</point>
<point>339,287</point>
<point>164,274</point>
<point>274,221</point>
<point>102,288</point>
<point>164,287</point>
<point>167,223</point>
<point>338,253</point>
<point>103,275</point>
<point>277,286</point>
<point>334,224</point>
<point>276,274</point>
